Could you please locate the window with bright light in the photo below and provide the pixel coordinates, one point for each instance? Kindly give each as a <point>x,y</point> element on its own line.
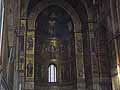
<point>1,21</point>
<point>52,73</point>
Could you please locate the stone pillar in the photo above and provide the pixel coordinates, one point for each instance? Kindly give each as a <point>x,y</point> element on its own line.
<point>115,79</point>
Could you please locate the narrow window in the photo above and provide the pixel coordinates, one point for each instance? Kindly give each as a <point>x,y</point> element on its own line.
<point>52,73</point>
<point>1,21</point>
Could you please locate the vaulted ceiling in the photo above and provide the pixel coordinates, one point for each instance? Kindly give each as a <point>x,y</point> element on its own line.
<point>74,3</point>
<point>79,5</point>
<point>32,3</point>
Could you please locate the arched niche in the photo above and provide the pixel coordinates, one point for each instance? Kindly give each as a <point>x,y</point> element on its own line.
<point>54,43</point>
<point>80,21</point>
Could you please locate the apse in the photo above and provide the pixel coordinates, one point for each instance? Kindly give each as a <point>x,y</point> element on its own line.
<point>55,63</point>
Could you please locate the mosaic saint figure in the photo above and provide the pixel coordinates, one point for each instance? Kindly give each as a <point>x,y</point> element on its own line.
<point>30,43</point>
<point>21,64</point>
<point>22,30</point>
<point>29,69</point>
<point>52,23</point>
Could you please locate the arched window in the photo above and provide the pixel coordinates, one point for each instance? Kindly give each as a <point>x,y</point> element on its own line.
<point>52,73</point>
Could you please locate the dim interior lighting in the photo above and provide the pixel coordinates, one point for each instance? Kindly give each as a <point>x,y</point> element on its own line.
<point>118,69</point>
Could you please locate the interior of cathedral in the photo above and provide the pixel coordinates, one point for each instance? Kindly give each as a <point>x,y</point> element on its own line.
<point>59,44</point>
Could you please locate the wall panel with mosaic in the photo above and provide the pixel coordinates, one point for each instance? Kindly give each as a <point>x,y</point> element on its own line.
<point>21,34</point>
<point>30,55</point>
